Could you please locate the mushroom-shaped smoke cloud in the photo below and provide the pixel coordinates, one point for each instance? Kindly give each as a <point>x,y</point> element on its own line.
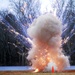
<point>46,34</point>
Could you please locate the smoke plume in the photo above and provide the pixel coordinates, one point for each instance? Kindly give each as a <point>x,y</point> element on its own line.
<point>45,32</point>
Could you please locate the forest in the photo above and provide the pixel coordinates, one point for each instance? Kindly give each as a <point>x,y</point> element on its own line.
<point>14,40</point>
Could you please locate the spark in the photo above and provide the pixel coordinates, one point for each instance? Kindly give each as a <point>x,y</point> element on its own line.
<point>66,40</point>
<point>37,70</point>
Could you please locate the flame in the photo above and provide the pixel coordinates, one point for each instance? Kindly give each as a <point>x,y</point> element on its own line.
<point>52,69</point>
<point>37,70</point>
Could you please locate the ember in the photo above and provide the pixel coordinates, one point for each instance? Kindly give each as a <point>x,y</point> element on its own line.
<point>37,70</point>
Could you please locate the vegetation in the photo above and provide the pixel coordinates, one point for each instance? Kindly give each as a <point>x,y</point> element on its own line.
<point>14,44</point>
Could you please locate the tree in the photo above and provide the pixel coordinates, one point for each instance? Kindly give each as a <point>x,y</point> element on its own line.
<point>14,44</point>
<point>13,41</point>
<point>68,35</point>
<point>26,10</point>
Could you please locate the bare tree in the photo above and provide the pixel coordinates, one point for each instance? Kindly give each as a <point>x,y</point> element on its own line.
<point>67,14</point>
<point>26,10</point>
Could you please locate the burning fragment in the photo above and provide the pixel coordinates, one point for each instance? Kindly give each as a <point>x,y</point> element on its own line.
<point>46,33</point>
<point>36,70</point>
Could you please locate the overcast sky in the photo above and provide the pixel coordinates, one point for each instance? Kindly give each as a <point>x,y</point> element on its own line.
<point>4,4</point>
<point>45,5</point>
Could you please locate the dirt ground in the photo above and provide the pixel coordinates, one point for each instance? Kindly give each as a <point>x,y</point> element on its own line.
<point>31,73</point>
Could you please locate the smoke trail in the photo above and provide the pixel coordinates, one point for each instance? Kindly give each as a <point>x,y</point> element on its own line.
<point>46,33</point>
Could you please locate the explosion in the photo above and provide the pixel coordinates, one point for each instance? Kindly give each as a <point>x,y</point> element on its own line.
<point>45,32</point>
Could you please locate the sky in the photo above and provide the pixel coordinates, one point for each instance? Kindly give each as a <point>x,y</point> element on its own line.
<point>4,4</point>
<point>45,5</point>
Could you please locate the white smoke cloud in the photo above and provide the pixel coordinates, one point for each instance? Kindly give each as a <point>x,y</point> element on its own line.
<point>46,33</point>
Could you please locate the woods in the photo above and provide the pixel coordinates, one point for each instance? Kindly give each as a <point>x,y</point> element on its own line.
<point>14,45</point>
<point>67,16</point>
